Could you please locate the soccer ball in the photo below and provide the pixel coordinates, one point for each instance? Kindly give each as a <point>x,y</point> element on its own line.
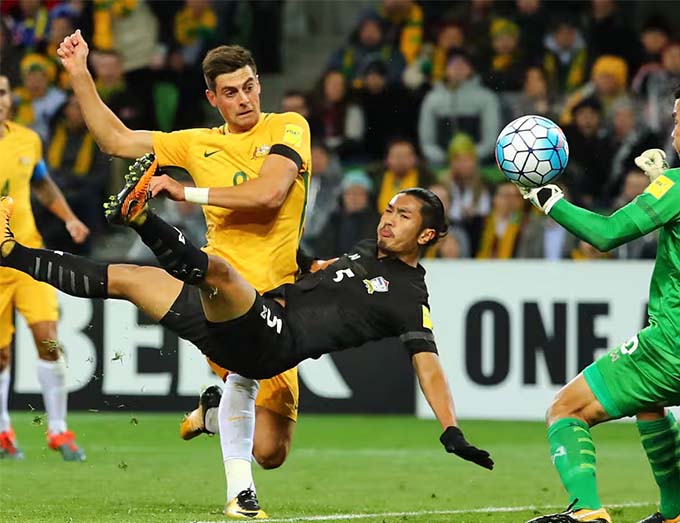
<point>532,151</point>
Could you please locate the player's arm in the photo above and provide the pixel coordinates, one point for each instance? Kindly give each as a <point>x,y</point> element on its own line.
<point>647,212</point>
<point>50,196</point>
<point>435,387</point>
<point>308,263</point>
<point>110,133</point>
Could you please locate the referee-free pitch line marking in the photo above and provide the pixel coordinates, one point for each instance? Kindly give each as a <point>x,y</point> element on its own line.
<point>482,510</point>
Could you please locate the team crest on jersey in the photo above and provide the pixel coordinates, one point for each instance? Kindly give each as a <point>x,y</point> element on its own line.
<point>260,151</point>
<point>378,284</point>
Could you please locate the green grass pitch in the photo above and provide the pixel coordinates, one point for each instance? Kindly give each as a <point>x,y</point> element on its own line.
<point>382,469</point>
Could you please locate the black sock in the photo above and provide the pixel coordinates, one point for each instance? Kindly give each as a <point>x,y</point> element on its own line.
<point>177,255</point>
<point>74,275</point>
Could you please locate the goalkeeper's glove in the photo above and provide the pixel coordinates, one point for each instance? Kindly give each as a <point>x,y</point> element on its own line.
<point>454,441</point>
<point>543,198</point>
<point>653,163</point>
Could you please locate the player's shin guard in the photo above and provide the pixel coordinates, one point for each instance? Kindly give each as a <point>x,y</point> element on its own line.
<point>237,431</point>
<point>573,454</point>
<point>661,441</point>
<point>71,274</point>
<point>174,252</point>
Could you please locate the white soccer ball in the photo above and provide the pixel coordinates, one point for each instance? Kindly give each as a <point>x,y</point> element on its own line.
<point>532,151</point>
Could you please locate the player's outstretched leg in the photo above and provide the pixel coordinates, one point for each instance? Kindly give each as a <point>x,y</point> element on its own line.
<point>129,205</point>
<point>195,423</point>
<point>660,438</point>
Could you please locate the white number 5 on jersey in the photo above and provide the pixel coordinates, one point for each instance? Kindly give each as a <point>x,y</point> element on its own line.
<point>340,274</point>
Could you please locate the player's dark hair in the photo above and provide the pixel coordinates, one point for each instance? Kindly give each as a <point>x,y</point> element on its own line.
<point>677,92</point>
<point>225,59</point>
<point>432,212</point>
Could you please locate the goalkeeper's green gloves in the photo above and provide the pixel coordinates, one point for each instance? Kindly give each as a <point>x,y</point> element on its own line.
<point>653,163</point>
<point>454,442</point>
<point>543,198</point>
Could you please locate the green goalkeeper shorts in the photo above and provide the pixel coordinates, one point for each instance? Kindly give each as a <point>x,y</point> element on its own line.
<point>636,375</point>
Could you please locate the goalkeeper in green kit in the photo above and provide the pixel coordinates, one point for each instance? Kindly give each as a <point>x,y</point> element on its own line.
<point>639,377</point>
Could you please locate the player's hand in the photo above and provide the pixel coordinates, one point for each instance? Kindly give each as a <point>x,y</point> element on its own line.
<point>543,198</point>
<point>454,442</point>
<point>73,51</point>
<point>167,186</point>
<point>653,163</point>
<point>78,230</point>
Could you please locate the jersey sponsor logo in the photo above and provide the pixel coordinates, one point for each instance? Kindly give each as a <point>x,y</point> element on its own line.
<point>24,160</point>
<point>207,154</point>
<point>378,284</point>
<point>260,151</point>
<point>660,186</point>
<point>273,322</point>
<point>292,135</point>
<point>427,320</point>
<point>354,256</point>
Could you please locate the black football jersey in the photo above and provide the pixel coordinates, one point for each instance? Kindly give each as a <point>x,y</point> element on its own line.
<point>357,299</point>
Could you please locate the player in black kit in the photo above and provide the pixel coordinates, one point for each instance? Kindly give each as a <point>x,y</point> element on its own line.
<point>375,291</point>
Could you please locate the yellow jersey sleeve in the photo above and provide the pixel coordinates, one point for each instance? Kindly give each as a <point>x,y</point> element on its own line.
<point>291,130</point>
<point>172,148</point>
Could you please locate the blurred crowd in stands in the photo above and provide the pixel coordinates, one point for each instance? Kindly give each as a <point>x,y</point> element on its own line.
<point>415,97</point>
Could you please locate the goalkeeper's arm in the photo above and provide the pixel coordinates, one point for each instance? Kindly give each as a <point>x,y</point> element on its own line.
<point>605,232</point>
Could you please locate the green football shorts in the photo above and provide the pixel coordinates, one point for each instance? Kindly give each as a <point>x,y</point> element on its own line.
<point>636,375</point>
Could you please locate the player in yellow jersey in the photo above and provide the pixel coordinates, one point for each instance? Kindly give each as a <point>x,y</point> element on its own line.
<point>252,175</point>
<point>23,169</point>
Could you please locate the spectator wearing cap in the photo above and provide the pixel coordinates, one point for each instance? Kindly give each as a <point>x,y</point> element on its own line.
<point>323,194</point>
<point>565,60</point>
<point>461,104</point>
<point>354,221</point>
<point>388,111</point>
<point>505,66</point>
<point>608,84</point>
<point>366,46</point>
<point>470,199</point>
<point>401,170</point>
<point>503,226</point>
<point>589,153</point>
<point>38,100</point>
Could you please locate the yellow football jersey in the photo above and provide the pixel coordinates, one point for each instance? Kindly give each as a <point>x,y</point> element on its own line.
<point>20,154</point>
<point>261,245</point>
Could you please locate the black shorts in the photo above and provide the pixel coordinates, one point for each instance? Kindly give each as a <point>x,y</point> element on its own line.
<point>258,345</point>
<point>187,319</point>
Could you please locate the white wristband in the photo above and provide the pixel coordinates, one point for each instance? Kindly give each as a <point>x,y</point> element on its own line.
<point>197,194</point>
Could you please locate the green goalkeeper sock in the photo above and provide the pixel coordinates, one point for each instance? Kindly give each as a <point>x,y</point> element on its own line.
<point>573,454</point>
<point>661,441</point>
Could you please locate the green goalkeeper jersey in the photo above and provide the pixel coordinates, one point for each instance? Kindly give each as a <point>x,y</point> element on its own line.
<point>657,207</point>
